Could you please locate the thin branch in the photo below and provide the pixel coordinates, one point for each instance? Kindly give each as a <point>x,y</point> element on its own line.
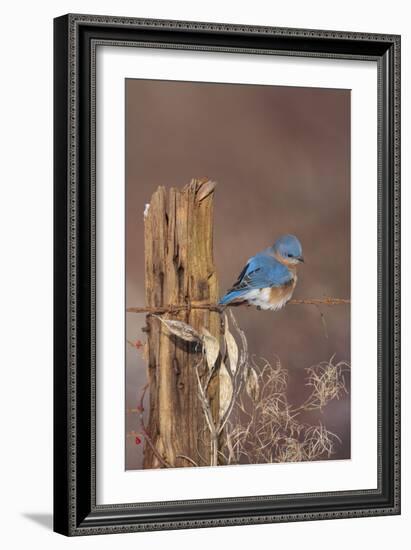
<point>188,459</point>
<point>327,301</point>
<point>205,404</point>
<point>175,308</point>
<point>145,432</point>
<point>237,380</point>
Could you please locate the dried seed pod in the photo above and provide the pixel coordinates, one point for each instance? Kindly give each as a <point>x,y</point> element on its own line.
<point>181,330</point>
<point>226,389</point>
<point>211,346</point>
<point>232,348</point>
<point>252,384</point>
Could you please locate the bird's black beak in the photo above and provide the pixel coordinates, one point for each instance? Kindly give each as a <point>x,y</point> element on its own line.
<point>301,259</point>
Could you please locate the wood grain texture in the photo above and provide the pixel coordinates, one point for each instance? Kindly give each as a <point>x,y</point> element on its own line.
<point>179,269</point>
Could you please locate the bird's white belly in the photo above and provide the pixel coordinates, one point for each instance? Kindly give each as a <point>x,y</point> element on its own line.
<point>268,298</point>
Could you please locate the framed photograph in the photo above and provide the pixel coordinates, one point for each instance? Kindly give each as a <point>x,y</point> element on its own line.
<point>227,278</point>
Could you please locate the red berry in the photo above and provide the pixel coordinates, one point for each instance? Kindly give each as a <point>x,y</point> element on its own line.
<point>138,440</point>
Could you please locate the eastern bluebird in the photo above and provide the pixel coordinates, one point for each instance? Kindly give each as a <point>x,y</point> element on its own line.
<point>269,278</point>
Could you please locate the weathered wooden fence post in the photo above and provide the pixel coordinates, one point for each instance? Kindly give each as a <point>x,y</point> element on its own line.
<point>179,270</point>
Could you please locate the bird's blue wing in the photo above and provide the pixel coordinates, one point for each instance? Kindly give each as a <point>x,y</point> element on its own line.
<point>262,271</point>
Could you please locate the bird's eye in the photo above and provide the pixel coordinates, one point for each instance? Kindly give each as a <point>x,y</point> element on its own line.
<point>290,255</point>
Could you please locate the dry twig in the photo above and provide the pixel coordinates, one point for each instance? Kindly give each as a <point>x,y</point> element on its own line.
<point>175,308</point>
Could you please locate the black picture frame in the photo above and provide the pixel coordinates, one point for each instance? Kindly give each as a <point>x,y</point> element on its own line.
<point>75,40</point>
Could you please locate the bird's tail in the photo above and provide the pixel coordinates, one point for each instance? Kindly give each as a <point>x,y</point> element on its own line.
<point>232,296</point>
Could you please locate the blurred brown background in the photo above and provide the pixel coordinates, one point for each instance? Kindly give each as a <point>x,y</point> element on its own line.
<point>281,157</point>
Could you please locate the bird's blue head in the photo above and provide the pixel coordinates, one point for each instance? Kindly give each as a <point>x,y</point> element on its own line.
<point>288,249</point>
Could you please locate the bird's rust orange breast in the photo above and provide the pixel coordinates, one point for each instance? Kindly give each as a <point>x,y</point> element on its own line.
<point>279,296</point>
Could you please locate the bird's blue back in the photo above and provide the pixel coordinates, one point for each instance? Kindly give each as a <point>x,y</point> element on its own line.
<point>262,271</point>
